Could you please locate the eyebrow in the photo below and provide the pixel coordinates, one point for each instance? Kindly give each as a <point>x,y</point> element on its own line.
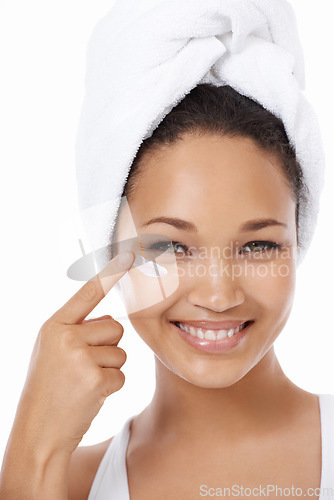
<point>251,225</point>
<point>255,225</point>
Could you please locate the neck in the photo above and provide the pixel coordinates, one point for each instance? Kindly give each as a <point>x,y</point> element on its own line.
<point>252,404</point>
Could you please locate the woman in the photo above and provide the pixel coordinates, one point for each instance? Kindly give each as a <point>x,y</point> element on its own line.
<point>220,174</point>
<point>224,413</point>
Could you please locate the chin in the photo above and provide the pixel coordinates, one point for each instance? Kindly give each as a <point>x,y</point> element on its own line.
<point>210,378</point>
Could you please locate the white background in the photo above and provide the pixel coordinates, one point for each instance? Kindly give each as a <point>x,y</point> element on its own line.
<point>42,67</point>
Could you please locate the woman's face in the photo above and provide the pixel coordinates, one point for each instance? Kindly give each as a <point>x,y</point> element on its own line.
<point>218,268</point>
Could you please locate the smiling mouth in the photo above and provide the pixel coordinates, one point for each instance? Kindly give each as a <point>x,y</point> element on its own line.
<point>208,334</point>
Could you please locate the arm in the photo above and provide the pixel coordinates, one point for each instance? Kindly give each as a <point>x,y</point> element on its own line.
<point>74,367</point>
<point>31,470</point>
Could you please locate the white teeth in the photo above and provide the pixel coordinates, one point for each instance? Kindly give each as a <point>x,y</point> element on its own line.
<point>199,333</point>
<point>221,334</point>
<point>195,332</point>
<point>209,334</point>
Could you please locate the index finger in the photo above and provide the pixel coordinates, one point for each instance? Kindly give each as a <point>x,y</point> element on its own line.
<point>92,292</point>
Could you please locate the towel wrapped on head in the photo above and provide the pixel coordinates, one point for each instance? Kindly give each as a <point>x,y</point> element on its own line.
<point>144,56</point>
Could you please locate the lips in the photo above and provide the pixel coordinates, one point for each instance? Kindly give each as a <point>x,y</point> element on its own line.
<point>213,325</point>
<point>213,341</point>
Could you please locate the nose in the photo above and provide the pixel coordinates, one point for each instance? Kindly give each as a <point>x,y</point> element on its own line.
<point>214,286</point>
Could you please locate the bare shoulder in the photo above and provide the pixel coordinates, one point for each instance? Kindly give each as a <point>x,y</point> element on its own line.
<point>83,467</point>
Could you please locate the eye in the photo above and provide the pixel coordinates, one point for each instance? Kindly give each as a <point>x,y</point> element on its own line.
<point>172,246</point>
<point>259,246</point>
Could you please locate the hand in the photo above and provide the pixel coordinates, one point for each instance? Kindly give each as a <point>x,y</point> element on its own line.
<point>75,365</point>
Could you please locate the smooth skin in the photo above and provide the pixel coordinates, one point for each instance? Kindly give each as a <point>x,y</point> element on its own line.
<point>232,417</point>
<point>215,419</point>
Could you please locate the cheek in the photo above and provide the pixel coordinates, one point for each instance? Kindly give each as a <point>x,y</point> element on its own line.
<point>272,286</point>
<point>142,290</point>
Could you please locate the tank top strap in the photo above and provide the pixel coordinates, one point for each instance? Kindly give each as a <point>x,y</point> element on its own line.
<point>326,403</point>
<point>111,481</point>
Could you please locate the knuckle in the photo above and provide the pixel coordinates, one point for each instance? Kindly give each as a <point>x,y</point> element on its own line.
<point>123,355</point>
<point>121,328</point>
<point>115,325</point>
<point>118,380</point>
<point>80,355</point>
<point>66,337</point>
<point>47,332</point>
<point>117,328</point>
<point>46,329</point>
<point>115,382</point>
<point>97,379</point>
<point>113,329</point>
<point>108,317</point>
<point>49,325</point>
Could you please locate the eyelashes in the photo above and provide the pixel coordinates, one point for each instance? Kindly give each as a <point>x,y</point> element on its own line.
<point>265,244</point>
<point>171,250</point>
<point>165,246</point>
<point>248,248</point>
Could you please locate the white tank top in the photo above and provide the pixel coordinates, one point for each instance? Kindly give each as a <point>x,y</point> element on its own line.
<point>111,481</point>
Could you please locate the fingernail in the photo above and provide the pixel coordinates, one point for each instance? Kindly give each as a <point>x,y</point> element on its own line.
<point>124,258</point>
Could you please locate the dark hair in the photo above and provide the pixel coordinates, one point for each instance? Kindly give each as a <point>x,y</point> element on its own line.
<point>221,110</point>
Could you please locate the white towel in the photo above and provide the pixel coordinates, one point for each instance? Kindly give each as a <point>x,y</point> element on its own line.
<point>144,56</point>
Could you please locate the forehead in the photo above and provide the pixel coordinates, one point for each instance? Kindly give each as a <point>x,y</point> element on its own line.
<point>212,178</point>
